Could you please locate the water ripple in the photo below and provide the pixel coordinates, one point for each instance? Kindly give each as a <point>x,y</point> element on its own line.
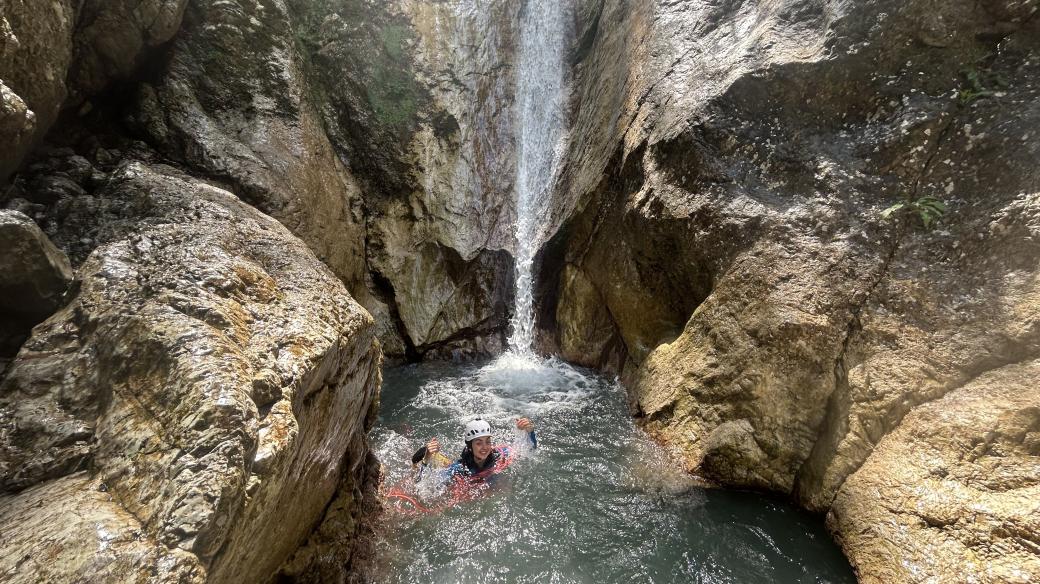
<point>597,502</point>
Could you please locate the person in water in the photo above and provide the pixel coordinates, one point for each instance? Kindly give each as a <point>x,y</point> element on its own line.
<point>479,458</point>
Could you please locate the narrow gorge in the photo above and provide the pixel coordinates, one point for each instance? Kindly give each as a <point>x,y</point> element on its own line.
<point>800,238</point>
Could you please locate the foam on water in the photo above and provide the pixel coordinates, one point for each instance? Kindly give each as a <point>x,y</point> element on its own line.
<point>596,502</point>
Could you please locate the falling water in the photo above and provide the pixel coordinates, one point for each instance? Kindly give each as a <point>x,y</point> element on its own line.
<point>540,100</point>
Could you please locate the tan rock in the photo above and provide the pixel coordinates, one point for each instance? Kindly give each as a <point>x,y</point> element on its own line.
<point>954,492</point>
<point>17,124</point>
<point>773,329</point>
<point>215,379</point>
<point>34,59</point>
<point>54,48</point>
<point>70,528</point>
<point>234,103</point>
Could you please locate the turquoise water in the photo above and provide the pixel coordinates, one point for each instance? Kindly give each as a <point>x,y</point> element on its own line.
<point>596,502</point>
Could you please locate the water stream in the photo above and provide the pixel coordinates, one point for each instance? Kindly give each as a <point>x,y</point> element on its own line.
<point>596,502</point>
<point>540,131</point>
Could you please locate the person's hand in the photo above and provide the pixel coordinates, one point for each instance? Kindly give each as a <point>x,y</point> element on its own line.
<point>525,425</point>
<point>432,447</point>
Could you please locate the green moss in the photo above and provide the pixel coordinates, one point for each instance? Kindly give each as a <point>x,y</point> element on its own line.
<point>394,37</point>
<point>980,83</point>
<point>373,54</point>
<point>393,92</point>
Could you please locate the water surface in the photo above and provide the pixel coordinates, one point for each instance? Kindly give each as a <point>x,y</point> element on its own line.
<point>596,502</point>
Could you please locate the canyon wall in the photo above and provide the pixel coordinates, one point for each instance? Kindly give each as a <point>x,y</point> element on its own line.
<point>197,409</point>
<point>720,241</point>
<point>730,257</point>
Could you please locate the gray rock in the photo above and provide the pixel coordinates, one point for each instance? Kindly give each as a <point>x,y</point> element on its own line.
<point>34,274</point>
<point>17,125</point>
<point>235,105</point>
<point>112,38</point>
<point>723,248</point>
<point>55,53</point>
<point>37,51</point>
<point>50,189</point>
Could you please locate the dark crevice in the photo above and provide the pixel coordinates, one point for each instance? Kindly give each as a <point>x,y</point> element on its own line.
<point>484,328</point>
<point>587,40</point>
<point>384,289</point>
<point>835,422</point>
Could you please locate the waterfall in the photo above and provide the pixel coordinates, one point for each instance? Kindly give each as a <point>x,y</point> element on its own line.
<point>541,128</point>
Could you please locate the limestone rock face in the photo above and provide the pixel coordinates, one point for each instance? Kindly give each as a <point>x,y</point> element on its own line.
<point>372,131</point>
<point>234,103</point>
<point>419,96</point>
<point>55,53</point>
<point>33,278</point>
<point>197,404</point>
<point>953,490</point>
<point>112,37</point>
<point>35,53</point>
<point>723,248</point>
<point>17,124</point>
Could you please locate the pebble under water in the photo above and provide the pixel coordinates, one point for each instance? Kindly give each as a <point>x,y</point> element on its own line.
<point>596,502</point>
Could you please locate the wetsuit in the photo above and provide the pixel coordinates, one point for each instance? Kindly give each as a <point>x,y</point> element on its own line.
<point>466,466</point>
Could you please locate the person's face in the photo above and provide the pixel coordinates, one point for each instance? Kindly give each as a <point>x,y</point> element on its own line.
<point>481,447</point>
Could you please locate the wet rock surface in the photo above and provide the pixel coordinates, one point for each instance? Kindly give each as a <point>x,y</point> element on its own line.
<point>734,264</point>
<point>35,54</point>
<point>371,131</point>
<point>34,276</point>
<point>55,54</point>
<point>212,377</point>
<point>719,243</point>
<point>424,115</point>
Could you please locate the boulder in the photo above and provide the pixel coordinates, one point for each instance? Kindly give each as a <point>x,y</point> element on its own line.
<point>234,102</point>
<point>953,491</point>
<point>35,54</point>
<point>34,276</point>
<point>56,53</point>
<point>113,38</point>
<point>17,124</point>
<point>197,404</point>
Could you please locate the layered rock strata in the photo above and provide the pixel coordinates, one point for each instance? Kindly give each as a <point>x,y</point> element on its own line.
<point>190,415</point>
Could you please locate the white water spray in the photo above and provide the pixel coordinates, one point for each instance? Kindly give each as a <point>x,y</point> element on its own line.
<point>540,105</point>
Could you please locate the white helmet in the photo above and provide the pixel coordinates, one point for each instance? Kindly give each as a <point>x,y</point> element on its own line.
<point>476,429</point>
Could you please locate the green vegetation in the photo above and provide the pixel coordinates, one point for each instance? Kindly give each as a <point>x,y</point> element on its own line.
<point>357,53</point>
<point>928,209</point>
<point>394,93</point>
<point>980,83</point>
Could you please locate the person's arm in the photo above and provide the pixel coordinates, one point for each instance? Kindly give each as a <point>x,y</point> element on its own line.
<point>422,456</point>
<point>426,451</point>
<point>528,426</point>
